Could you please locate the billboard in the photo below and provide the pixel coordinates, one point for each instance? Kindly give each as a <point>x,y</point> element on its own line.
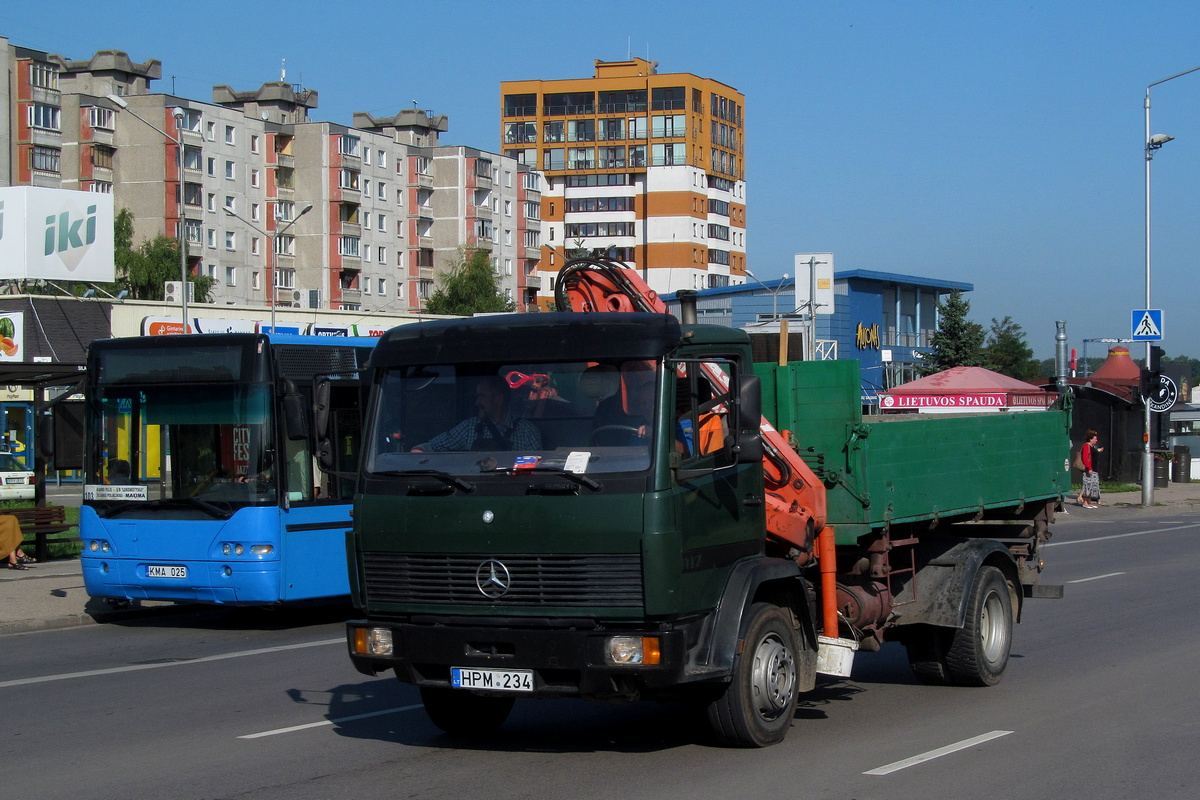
<point>12,336</point>
<point>56,234</point>
<point>814,272</point>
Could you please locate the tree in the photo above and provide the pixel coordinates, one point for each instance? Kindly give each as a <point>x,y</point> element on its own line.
<point>470,287</point>
<point>1007,352</point>
<point>957,342</point>
<point>143,270</point>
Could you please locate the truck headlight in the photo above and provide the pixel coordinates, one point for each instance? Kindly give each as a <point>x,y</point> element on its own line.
<point>373,641</point>
<point>633,650</point>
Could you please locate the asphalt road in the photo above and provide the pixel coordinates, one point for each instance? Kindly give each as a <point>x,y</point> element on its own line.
<point>1098,702</point>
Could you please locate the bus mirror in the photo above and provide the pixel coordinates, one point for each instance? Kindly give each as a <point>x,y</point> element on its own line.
<point>321,393</point>
<point>294,417</point>
<point>324,454</point>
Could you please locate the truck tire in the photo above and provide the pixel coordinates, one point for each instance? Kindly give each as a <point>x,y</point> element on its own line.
<point>461,713</point>
<point>758,705</point>
<point>978,652</point>
<point>926,646</point>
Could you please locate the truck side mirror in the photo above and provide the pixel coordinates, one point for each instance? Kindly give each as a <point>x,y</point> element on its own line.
<point>749,420</point>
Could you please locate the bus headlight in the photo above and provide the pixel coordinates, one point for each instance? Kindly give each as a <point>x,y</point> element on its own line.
<point>238,550</point>
<point>633,650</point>
<point>262,549</point>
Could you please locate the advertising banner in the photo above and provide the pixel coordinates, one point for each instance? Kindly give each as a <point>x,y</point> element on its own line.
<point>12,336</point>
<point>56,234</point>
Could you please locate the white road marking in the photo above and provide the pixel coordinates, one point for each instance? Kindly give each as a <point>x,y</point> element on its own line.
<point>325,722</point>
<point>138,667</point>
<point>1097,577</point>
<point>896,766</point>
<point>1121,535</point>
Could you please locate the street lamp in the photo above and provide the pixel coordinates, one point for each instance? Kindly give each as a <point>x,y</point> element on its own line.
<point>271,260</point>
<point>1152,143</point>
<point>774,292</point>
<point>177,113</point>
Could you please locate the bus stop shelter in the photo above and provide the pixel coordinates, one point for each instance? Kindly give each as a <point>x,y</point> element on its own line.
<point>40,376</point>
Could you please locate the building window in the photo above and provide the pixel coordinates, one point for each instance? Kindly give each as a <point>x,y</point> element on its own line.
<point>637,155</point>
<point>285,245</point>
<point>348,145</point>
<point>193,158</point>
<point>101,118</point>
<point>382,253</point>
<point>586,229</point>
<point>382,190</point>
<point>43,75</point>
<point>254,212</point>
<point>212,238</point>
<point>348,179</point>
<point>230,241</point>
<point>348,246</point>
<point>381,159</point>
<point>366,186</point>
<point>581,158</point>
<point>229,134</point>
<point>229,173</point>
<point>533,209</point>
<point>230,202</point>
<point>253,145</point>
<point>210,131</point>
<point>193,231</point>
<point>285,210</point>
<point>254,178</point>
<point>102,187</point>
<point>666,127</point>
<point>285,279</point>
<point>44,159</point>
<point>366,156</point>
<point>193,194</point>
<point>520,132</point>
<point>212,167</point>
<point>255,281</point>
<point>230,276</point>
<point>102,156</point>
<point>668,155</point>
<point>382,284</point>
<point>45,116</point>
<point>508,208</point>
<point>718,232</point>
<point>254,245</point>
<point>285,177</point>
<point>532,239</point>
<point>381,223</point>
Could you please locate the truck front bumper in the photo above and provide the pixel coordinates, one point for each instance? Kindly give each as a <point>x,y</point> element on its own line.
<point>565,661</point>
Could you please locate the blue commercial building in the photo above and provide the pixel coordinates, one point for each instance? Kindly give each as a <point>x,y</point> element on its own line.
<point>883,319</point>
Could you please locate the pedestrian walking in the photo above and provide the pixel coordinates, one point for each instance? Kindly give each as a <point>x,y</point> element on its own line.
<point>1089,490</point>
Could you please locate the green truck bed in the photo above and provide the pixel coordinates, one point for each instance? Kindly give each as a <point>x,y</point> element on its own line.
<point>902,468</point>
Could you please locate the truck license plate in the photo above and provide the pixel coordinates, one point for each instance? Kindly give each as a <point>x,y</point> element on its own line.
<point>496,680</point>
<point>161,571</point>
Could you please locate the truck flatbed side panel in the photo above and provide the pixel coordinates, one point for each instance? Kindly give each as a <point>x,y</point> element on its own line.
<point>912,468</point>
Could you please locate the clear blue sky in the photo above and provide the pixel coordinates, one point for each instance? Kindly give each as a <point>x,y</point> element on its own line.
<point>997,143</point>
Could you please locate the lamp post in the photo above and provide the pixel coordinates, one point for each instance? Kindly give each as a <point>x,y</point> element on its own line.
<point>271,259</point>
<point>1152,143</point>
<point>774,292</point>
<point>177,113</point>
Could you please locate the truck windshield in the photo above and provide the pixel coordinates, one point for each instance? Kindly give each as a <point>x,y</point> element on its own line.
<point>468,419</point>
<point>156,442</point>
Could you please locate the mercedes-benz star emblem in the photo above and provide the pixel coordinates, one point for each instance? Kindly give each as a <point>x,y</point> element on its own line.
<point>492,579</point>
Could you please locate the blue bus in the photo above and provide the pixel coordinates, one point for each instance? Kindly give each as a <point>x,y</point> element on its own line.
<point>203,481</point>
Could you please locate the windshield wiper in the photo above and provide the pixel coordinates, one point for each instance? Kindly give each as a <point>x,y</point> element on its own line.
<point>456,482</point>
<point>581,479</point>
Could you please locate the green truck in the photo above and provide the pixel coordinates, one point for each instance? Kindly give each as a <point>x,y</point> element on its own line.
<point>616,523</point>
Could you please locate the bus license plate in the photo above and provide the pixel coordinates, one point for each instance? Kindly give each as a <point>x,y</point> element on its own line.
<point>496,680</point>
<point>160,571</point>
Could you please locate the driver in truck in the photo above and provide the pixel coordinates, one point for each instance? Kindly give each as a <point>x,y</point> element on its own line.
<point>494,428</point>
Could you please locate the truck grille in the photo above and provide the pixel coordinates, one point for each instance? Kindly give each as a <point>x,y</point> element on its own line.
<point>533,580</point>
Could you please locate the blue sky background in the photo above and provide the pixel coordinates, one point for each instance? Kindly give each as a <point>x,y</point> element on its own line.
<point>992,142</point>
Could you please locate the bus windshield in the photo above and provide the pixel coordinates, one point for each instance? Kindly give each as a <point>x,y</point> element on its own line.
<point>155,442</point>
<point>468,419</point>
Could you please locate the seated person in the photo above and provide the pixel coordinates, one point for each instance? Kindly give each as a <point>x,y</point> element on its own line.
<point>625,414</point>
<point>494,429</point>
<point>119,472</point>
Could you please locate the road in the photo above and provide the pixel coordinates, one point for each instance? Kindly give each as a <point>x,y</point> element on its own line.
<point>1098,702</point>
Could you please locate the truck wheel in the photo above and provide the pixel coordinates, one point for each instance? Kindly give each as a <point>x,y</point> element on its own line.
<point>464,714</point>
<point>926,646</point>
<point>757,707</point>
<point>978,652</point>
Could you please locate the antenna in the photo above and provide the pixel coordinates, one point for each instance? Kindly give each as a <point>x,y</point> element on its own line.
<point>629,48</point>
<point>283,70</point>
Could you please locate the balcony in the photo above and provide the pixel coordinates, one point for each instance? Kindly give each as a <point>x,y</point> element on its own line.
<point>420,179</point>
<point>351,295</point>
<point>351,228</point>
<point>425,242</point>
<point>533,281</point>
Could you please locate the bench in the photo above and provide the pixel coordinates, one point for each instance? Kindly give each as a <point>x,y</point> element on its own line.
<point>37,524</point>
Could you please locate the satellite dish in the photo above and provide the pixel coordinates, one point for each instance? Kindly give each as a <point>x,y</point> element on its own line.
<point>265,115</point>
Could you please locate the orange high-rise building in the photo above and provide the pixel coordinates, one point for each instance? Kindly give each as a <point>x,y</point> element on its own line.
<point>641,167</point>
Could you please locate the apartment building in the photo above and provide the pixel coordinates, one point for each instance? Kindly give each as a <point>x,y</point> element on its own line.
<point>274,206</point>
<point>642,167</point>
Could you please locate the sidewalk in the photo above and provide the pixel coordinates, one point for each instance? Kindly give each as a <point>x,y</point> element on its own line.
<point>51,595</point>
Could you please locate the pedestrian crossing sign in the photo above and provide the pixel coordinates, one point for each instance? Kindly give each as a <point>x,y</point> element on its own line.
<point>1147,325</point>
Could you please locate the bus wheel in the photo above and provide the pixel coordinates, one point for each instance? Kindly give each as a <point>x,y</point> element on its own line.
<point>978,652</point>
<point>464,714</point>
<point>757,707</point>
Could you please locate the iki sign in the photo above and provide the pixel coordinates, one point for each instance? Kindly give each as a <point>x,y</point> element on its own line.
<point>56,234</point>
